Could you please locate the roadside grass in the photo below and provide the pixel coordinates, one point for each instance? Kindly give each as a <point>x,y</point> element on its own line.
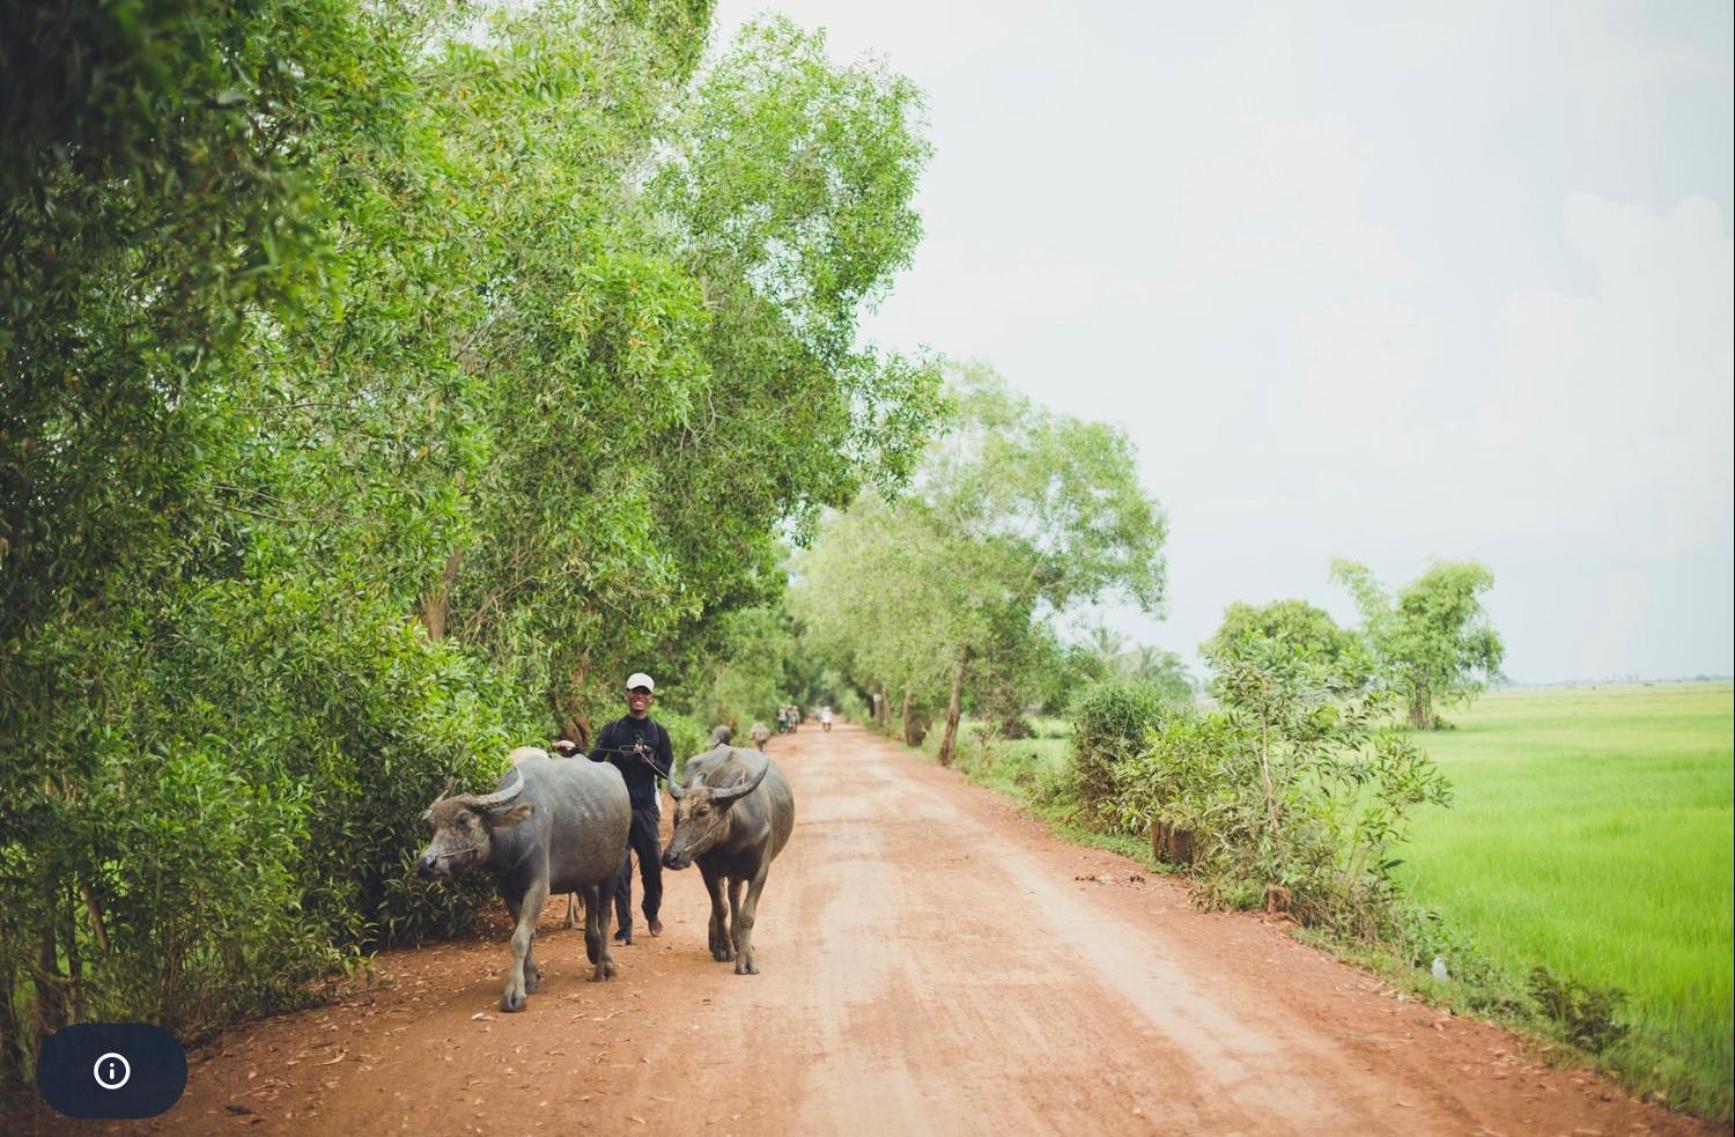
<point>1032,771</point>
<point>1591,833</point>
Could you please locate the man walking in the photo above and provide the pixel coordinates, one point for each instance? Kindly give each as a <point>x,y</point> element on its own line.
<point>639,747</point>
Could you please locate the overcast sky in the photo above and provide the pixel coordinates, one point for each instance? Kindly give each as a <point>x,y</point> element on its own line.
<point>1382,281</point>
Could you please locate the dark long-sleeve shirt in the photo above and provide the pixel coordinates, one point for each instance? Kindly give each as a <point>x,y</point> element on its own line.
<point>615,744</point>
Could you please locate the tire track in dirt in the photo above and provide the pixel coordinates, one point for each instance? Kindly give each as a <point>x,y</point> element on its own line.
<point>933,962</point>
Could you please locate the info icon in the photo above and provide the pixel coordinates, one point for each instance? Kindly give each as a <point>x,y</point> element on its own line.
<point>111,1070</point>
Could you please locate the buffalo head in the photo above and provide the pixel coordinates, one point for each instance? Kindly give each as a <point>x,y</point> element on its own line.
<point>702,816</point>
<point>464,826</point>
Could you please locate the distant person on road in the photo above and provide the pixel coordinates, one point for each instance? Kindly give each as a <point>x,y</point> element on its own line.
<point>825,719</point>
<point>639,747</point>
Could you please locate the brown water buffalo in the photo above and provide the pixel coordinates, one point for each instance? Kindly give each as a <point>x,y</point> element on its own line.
<point>549,827</point>
<point>733,815</point>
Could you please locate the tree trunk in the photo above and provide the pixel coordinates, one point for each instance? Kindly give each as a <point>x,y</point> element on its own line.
<point>949,741</point>
<point>436,603</point>
<point>568,706</point>
<point>1421,708</point>
<point>882,709</point>
<point>50,994</point>
<point>97,929</point>
<point>905,718</point>
<point>12,1028</point>
<point>68,920</point>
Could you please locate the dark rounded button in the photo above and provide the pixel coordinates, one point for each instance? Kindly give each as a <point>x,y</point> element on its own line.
<point>111,1070</point>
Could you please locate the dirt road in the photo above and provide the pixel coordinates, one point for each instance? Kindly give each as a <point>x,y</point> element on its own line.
<point>932,962</point>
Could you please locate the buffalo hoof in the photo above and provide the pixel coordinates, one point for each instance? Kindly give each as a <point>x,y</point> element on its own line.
<point>745,966</point>
<point>723,955</point>
<point>532,981</point>
<point>604,972</point>
<point>514,1001</point>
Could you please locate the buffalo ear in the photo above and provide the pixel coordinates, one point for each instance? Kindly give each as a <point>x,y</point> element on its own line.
<point>506,818</point>
<point>427,816</point>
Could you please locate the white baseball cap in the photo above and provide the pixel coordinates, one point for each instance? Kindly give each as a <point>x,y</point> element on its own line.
<point>640,679</point>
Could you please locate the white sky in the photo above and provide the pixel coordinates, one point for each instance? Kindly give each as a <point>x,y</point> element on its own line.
<point>1385,281</point>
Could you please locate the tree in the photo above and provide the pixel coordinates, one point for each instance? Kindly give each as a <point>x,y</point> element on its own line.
<point>1433,644</point>
<point>1014,516</point>
<point>376,383</point>
<point>882,606</point>
<point>1164,670</point>
<point>1304,630</point>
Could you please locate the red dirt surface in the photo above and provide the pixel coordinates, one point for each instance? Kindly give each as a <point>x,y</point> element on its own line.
<point>933,961</point>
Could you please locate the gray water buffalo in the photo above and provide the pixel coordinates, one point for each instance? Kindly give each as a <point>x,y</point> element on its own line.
<point>721,734</point>
<point>733,815</point>
<point>550,827</point>
<point>760,734</point>
<point>572,899</point>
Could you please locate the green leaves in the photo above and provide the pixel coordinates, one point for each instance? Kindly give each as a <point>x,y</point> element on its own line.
<point>1291,785</point>
<point>1013,518</point>
<point>379,383</point>
<point>1433,643</point>
<point>797,176</point>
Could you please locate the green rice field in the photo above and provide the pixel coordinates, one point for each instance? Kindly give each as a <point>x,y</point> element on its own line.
<point>1591,833</point>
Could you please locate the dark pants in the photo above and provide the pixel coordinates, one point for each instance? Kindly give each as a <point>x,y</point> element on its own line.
<point>641,839</point>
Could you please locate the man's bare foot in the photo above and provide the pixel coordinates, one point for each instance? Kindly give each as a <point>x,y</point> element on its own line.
<point>656,928</point>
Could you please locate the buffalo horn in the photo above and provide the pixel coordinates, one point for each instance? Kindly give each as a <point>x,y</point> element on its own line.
<point>743,789</point>
<point>676,790</point>
<point>500,797</point>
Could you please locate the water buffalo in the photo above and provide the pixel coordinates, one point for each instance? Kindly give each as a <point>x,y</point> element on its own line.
<point>572,899</point>
<point>760,734</point>
<point>550,827</point>
<point>733,814</point>
<point>721,734</point>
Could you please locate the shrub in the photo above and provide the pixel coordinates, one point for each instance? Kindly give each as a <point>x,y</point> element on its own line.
<point>1584,1015</point>
<point>260,836</point>
<point>1293,796</point>
<point>1112,722</point>
<point>688,736</point>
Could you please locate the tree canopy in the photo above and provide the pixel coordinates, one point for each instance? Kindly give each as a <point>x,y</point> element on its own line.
<point>1016,515</point>
<point>382,383</point>
<point>1337,655</point>
<point>1433,643</point>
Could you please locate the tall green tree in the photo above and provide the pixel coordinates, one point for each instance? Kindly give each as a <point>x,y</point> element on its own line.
<point>1017,515</point>
<point>1433,642</point>
<point>883,607</point>
<point>378,384</point>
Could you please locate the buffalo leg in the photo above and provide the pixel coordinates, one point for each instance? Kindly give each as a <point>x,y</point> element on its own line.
<point>531,974</point>
<point>532,969</point>
<point>590,945</point>
<point>596,913</point>
<point>744,963</point>
<point>721,951</point>
<point>529,907</point>
<point>735,884</point>
<point>571,911</point>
